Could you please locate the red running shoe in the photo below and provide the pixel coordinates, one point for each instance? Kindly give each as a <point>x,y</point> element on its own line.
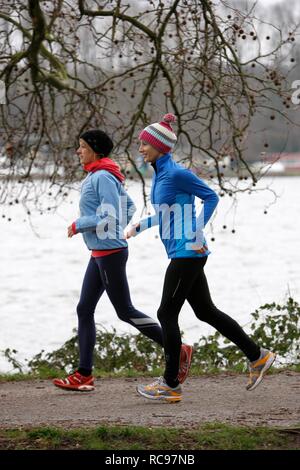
<point>76,382</point>
<point>185,362</point>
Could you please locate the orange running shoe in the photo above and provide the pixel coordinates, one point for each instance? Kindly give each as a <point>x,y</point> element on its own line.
<point>160,390</point>
<point>185,362</point>
<point>76,382</point>
<point>259,367</point>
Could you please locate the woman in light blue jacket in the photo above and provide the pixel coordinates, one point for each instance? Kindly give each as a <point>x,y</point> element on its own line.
<point>105,211</point>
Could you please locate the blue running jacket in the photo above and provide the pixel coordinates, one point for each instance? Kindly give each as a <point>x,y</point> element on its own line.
<point>173,197</point>
<point>105,210</point>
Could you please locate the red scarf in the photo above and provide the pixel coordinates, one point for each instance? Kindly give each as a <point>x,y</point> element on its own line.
<point>107,164</point>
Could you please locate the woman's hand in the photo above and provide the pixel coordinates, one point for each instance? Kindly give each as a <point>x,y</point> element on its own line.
<point>200,249</point>
<point>70,231</point>
<point>132,231</point>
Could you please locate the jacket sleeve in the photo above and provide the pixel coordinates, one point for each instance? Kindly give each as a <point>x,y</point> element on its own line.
<point>148,222</point>
<point>130,208</point>
<point>188,182</point>
<point>107,211</point>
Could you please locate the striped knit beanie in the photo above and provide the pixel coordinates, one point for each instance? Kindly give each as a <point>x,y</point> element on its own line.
<point>160,134</point>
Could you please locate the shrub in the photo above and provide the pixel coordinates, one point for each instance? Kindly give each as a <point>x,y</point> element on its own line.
<point>273,326</point>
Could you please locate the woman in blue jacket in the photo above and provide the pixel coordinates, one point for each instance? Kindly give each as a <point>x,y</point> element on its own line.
<point>172,194</point>
<point>105,211</point>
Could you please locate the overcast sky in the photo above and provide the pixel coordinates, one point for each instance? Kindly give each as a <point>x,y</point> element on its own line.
<point>273,2</point>
<point>265,2</point>
<point>292,8</point>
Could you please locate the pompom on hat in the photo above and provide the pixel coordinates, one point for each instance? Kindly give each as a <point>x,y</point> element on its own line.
<point>160,134</point>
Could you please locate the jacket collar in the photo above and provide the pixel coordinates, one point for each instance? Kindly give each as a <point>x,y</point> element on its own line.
<point>159,164</point>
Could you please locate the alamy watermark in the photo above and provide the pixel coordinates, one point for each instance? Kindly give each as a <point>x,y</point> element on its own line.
<point>2,93</point>
<point>176,222</point>
<point>296,94</point>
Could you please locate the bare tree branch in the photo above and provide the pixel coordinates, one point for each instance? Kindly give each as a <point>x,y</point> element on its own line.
<point>222,69</point>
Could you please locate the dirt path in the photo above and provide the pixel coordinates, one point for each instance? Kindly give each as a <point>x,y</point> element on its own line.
<point>218,398</point>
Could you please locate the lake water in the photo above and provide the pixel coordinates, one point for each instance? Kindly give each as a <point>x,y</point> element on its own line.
<point>42,270</point>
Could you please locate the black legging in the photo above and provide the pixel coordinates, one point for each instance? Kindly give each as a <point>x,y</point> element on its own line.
<point>108,273</point>
<point>185,280</point>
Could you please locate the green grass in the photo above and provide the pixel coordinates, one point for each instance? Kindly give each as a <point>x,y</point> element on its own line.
<point>206,437</point>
